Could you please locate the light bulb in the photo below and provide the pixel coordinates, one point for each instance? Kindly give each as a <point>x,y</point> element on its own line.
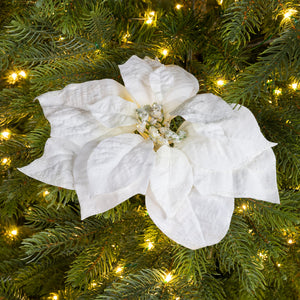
<point>220,82</point>
<point>55,297</point>
<point>220,2</point>
<point>5,161</point>
<point>168,278</point>
<point>244,206</point>
<point>23,74</point>
<point>178,6</point>
<point>119,269</point>
<point>14,232</point>
<point>14,76</point>
<point>290,241</point>
<point>149,21</point>
<point>5,134</point>
<point>288,13</point>
<point>278,265</point>
<point>150,245</point>
<point>152,13</point>
<point>294,86</point>
<point>46,193</point>
<point>165,52</point>
<point>278,92</point>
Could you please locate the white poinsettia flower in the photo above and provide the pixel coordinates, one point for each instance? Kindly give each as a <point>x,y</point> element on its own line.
<point>110,142</point>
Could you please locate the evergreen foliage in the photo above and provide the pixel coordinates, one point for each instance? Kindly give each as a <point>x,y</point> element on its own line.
<point>46,250</point>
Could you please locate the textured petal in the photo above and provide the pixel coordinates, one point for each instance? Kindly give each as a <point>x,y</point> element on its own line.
<point>225,145</point>
<point>111,171</point>
<point>172,85</point>
<point>149,81</point>
<point>55,166</point>
<point>204,108</point>
<point>135,73</point>
<point>257,179</point>
<point>73,124</point>
<point>200,221</point>
<point>82,94</point>
<point>243,127</point>
<point>113,111</point>
<point>171,179</point>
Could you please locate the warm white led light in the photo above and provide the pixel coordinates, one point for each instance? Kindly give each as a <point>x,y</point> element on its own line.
<point>168,278</point>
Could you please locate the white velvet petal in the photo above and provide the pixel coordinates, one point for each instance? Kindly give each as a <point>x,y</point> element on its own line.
<point>73,124</point>
<point>230,167</point>
<point>135,73</point>
<point>204,108</point>
<point>242,126</point>
<point>82,94</point>
<point>257,179</point>
<point>200,220</point>
<point>172,85</point>
<point>171,178</point>
<point>111,171</point>
<point>113,111</point>
<point>222,145</point>
<point>55,166</point>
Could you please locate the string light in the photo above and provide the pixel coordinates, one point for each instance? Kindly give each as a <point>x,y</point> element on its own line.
<point>294,86</point>
<point>150,245</point>
<point>220,82</point>
<point>6,134</point>
<point>290,241</point>
<point>16,76</point>
<point>179,6</point>
<point>262,255</point>
<point>23,74</point>
<point>278,265</point>
<point>125,37</point>
<point>278,92</point>
<point>12,78</point>
<point>288,13</point>
<point>168,277</point>
<point>244,206</point>
<point>220,2</point>
<point>14,232</point>
<point>5,161</point>
<point>149,21</point>
<point>165,52</point>
<point>119,269</point>
<point>150,17</point>
<point>45,193</point>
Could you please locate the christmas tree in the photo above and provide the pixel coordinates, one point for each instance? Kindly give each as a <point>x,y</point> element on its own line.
<point>247,52</point>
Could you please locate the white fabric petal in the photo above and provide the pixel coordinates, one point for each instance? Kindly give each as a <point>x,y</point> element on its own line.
<point>171,178</point>
<point>113,111</point>
<point>242,126</point>
<point>149,81</point>
<point>257,179</point>
<point>82,94</point>
<point>111,171</point>
<point>135,73</point>
<point>73,124</point>
<point>55,166</point>
<point>172,85</point>
<point>200,220</point>
<point>228,166</point>
<point>204,108</point>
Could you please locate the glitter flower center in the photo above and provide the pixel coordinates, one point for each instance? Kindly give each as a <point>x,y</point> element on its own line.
<point>154,124</point>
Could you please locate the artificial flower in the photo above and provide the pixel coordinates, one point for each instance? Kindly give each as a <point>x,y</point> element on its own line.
<point>110,142</point>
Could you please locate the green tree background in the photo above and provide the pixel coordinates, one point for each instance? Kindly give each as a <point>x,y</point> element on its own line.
<point>46,251</point>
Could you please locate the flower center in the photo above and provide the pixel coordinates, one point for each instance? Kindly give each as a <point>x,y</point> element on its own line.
<point>153,124</point>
